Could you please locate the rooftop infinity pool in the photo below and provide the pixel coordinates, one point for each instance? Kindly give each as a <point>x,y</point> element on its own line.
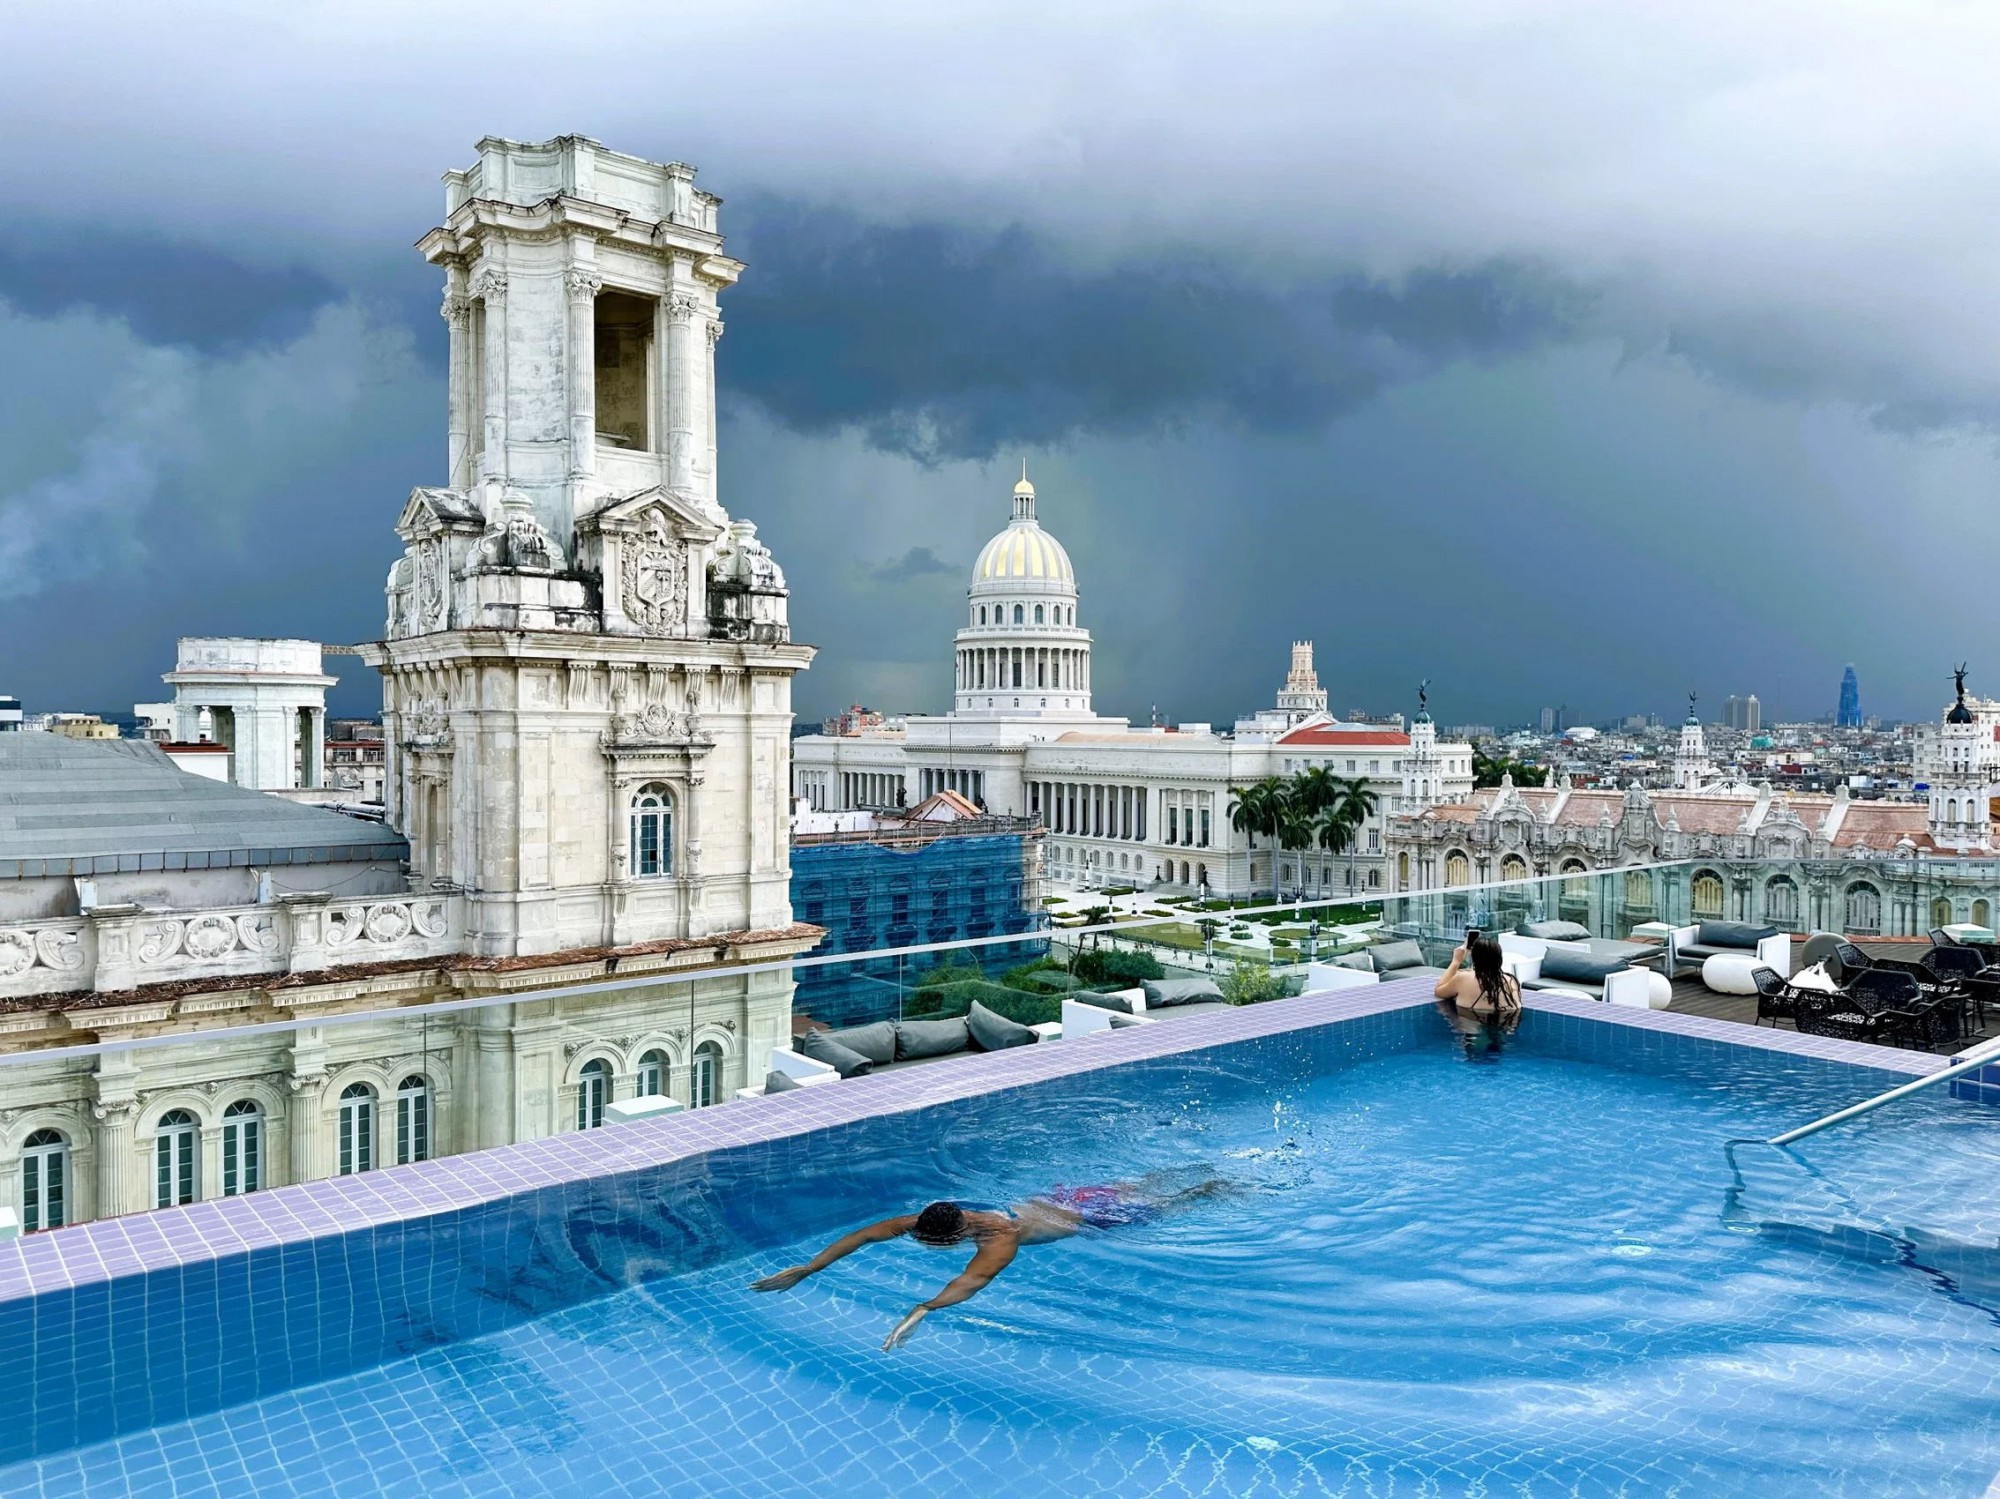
<point>1517,1266</point>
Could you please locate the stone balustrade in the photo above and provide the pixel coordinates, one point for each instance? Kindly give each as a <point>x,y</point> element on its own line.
<point>114,948</point>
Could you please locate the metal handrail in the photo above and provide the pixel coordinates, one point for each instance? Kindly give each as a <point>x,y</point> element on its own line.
<point>1964,1062</point>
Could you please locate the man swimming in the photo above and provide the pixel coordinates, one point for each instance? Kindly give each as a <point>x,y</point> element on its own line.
<point>1059,1213</point>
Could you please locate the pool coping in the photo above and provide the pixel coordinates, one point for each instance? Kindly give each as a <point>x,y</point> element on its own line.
<point>166,1238</point>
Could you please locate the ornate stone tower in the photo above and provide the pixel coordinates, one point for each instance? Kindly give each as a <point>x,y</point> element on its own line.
<point>587,664</point>
<point>1302,697</point>
<point>1961,774</point>
<point>1692,768</point>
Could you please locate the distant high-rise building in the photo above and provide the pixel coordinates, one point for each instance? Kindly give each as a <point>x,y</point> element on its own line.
<point>1555,720</point>
<point>1744,713</point>
<point>1849,716</point>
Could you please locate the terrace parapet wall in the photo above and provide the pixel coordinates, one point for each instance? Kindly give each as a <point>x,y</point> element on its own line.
<point>110,949</point>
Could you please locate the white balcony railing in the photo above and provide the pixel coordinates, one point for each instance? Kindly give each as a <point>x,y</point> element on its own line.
<point>114,948</point>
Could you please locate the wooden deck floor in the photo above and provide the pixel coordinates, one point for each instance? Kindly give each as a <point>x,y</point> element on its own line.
<point>1691,997</point>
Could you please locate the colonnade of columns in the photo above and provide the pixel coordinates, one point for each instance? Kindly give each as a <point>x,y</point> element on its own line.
<point>1002,667</point>
<point>869,788</point>
<point>1090,810</point>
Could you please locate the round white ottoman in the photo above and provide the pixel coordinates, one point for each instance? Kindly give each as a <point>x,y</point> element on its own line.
<point>1659,990</point>
<point>1729,972</point>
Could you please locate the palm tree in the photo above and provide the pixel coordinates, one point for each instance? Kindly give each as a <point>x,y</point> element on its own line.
<point>1333,832</point>
<point>1354,804</point>
<point>1260,807</point>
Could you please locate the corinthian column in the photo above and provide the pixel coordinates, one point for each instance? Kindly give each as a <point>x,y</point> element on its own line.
<point>583,285</point>
<point>457,312</point>
<point>681,312</point>
<point>490,286</point>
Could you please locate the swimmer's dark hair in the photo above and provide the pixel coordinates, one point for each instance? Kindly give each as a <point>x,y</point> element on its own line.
<point>940,1223</point>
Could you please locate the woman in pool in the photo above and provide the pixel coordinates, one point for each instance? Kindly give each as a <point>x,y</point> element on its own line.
<point>1059,1213</point>
<point>1486,989</point>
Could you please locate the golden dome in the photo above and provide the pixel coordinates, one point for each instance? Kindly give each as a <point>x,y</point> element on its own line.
<point>1024,551</point>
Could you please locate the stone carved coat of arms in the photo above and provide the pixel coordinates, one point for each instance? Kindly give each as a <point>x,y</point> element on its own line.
<point>653,576</point>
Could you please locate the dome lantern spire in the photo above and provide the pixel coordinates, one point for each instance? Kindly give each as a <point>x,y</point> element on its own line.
<point>1024,496</point>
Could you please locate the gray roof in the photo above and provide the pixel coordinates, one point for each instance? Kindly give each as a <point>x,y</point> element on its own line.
<point>110,806</point>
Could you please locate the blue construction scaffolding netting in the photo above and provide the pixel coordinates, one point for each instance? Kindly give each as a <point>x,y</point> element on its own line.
<point>873,892</point>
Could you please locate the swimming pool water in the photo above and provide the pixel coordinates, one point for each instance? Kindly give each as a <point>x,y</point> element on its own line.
<point>1522,1272</point>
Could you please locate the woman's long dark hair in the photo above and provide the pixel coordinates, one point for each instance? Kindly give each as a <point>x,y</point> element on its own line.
<point>1494,989</point>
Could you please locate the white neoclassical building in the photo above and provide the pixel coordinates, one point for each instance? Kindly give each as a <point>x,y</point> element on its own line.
<point>1798,861</point>
<point>1122,804</point>
<point>586,671</point>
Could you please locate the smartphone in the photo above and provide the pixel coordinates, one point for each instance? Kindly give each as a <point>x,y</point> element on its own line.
<point>1471,934</point>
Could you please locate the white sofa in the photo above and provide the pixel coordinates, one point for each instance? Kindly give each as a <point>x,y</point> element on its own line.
<point>1687,947</point>
<point>800,1068</point>
<point>1633,987</point>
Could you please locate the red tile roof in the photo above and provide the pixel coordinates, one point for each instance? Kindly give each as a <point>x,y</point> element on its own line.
<point>1335,737</point>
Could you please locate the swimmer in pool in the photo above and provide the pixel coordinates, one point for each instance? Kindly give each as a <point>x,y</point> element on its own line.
<point>1059,1213</point>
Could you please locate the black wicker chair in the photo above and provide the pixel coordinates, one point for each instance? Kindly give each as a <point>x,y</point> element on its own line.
<point>1775,996</point>
<point>1843,1016</point>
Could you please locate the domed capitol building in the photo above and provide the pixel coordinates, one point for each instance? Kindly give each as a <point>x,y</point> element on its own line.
<point>1123,804</point>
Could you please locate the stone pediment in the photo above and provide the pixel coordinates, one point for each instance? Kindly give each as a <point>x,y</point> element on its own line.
<point>650,554</point>
<point>684,520</point>
<point>430,511</point>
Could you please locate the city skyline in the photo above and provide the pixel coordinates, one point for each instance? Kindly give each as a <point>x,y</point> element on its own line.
<point>1654,444</point>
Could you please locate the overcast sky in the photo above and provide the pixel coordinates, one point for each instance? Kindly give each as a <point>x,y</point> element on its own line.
<point>1561,353</point>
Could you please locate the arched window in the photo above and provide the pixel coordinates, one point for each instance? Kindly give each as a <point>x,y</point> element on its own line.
<point>1402,871</point>
<point>44,1181</point>
<point>1941,912</point>
<point>1705,893</point>
<point>1017,620</point>
<point>1374,879</point>
<point>593,1092</point>
<point>652,832</point>
<point>1513,867</point>
<point>242,1148</point>
<point>1781,901</point>
<point>1576,879</point>
<point>1457,869</point>
<point>982,614</point>
<point>413,1119</point>
<point>176,1150</point>
<point>1982,914</point>
<point>1864,909</point>
<point>653,1070</point>
<point>705,1076</point>
<point>356,1133</point>
<point>1639,890</point>
<point>1038,615</point>
<point>1201,874</point>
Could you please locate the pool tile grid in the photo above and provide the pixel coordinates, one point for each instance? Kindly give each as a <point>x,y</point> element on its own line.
<point>166,1238</point>
<point>162,1239</point>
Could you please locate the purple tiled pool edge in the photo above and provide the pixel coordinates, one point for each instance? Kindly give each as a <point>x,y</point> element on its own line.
<point>166,1238</point>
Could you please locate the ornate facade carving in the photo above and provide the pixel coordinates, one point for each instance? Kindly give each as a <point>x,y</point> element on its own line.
<point>654,576</point>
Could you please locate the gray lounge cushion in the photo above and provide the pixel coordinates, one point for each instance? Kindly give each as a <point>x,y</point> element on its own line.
<point>1578,967</point>
<point>779,1082</point>
<point>995,1032</point>
<point>930,1038</point>
<point>821,1047</point>
<point>1557,931</point>
<point>877,1042</point>
<point>1389,956</point>
<point>1163,994</point>
<point>1117,1002</point>
<point>1359,961</point>
<point>1732,934</point>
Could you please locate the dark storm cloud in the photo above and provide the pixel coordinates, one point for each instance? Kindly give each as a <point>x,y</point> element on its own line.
<point>947,342</point>
<point>917,562</point>
<point>169,293</point>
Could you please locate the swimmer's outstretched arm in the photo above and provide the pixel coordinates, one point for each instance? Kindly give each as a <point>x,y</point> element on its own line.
<point>874,1233</point>
<point>995,1254</point>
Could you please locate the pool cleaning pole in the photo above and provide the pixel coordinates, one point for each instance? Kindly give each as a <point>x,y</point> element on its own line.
<point>1963,1063</point>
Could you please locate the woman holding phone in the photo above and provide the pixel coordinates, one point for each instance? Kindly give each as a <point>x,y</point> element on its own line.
<point>1476,981</point>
